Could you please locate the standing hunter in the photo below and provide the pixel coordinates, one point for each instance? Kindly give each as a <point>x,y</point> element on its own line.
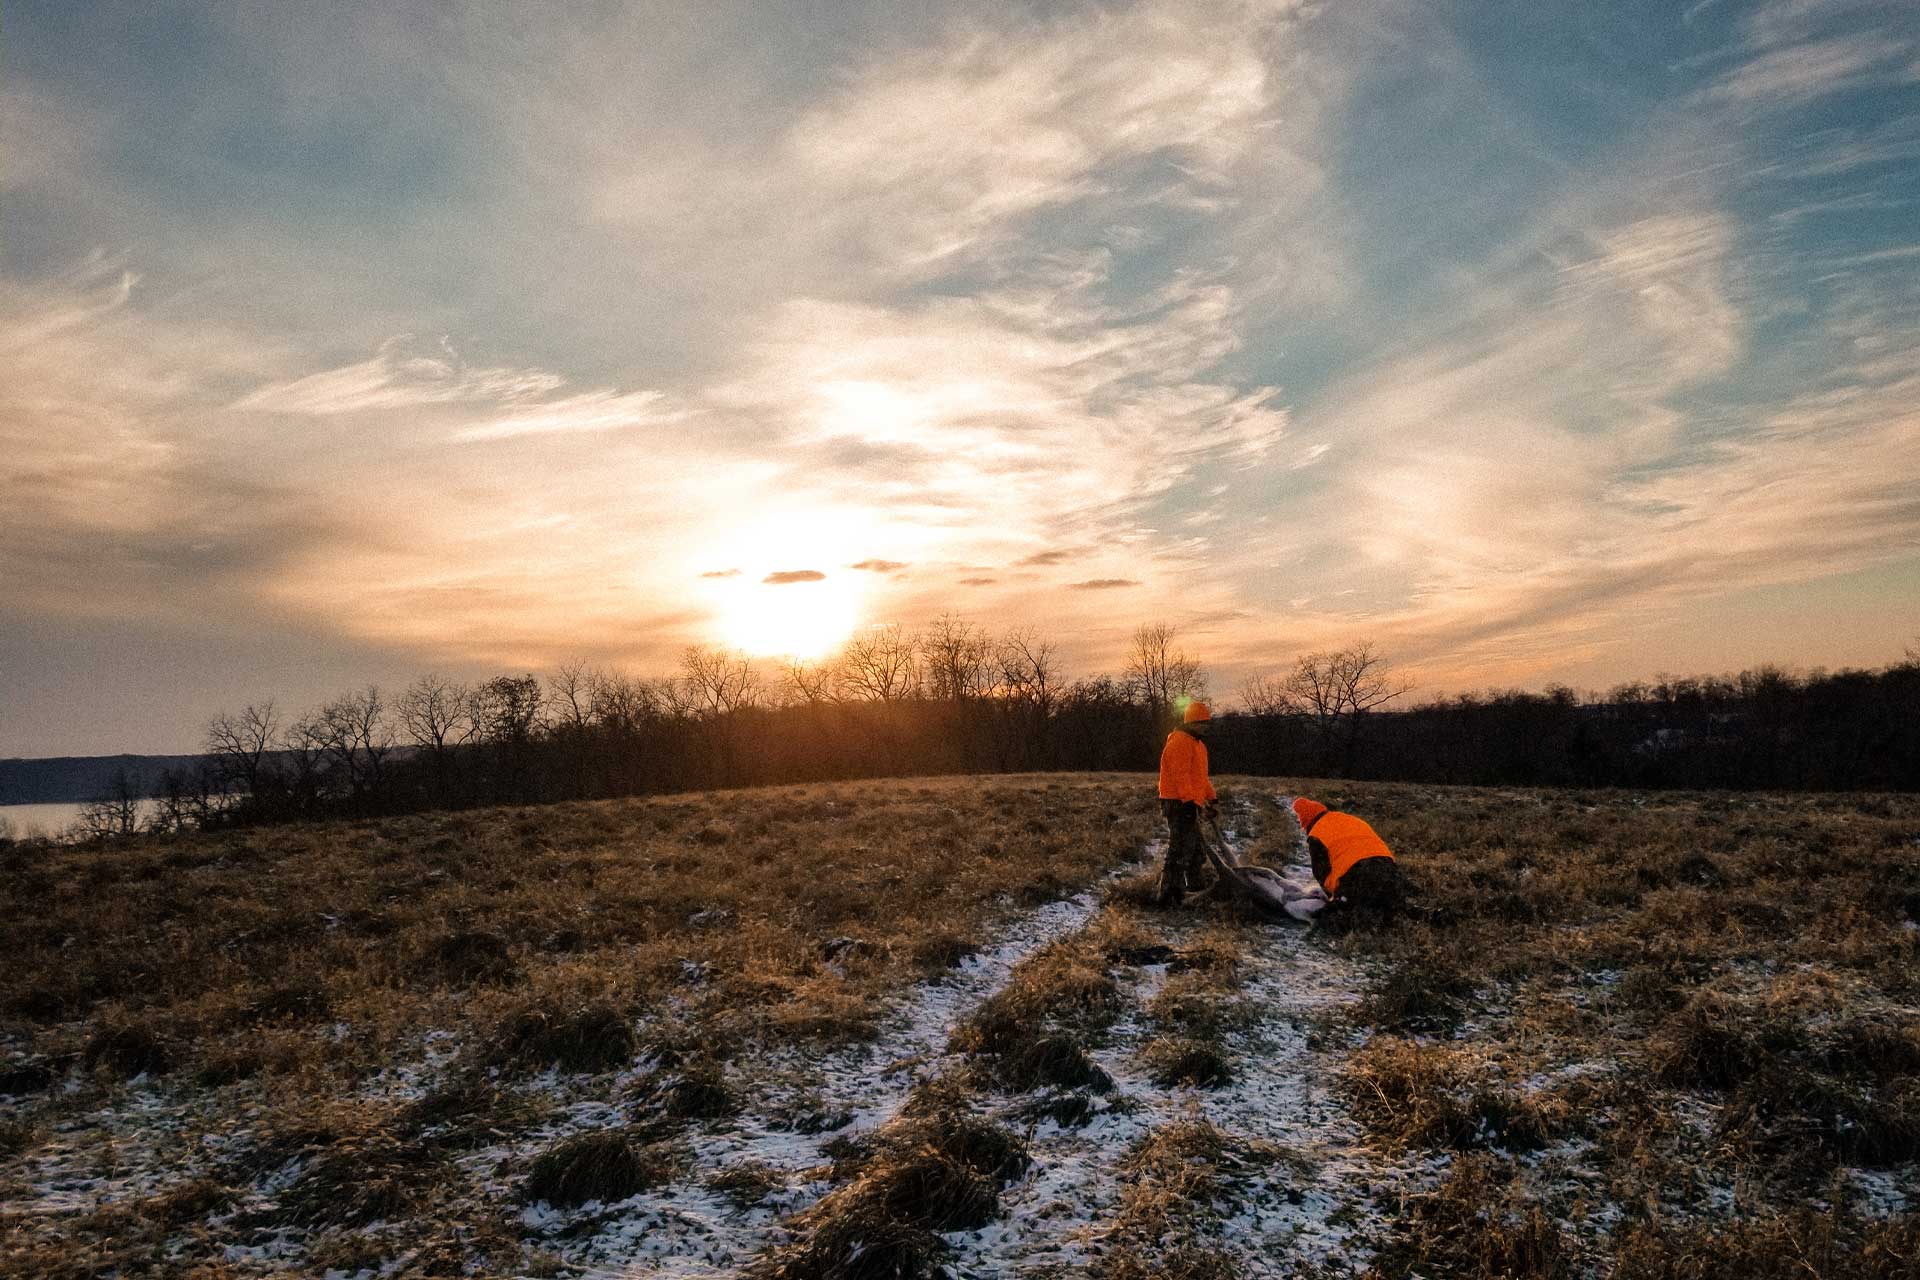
<point>1184,790</point>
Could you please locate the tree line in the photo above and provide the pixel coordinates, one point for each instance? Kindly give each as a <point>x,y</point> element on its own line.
<point>1762,729</point>
<point>953,698</point>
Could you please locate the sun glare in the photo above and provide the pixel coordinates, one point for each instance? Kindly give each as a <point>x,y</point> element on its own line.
<point>798,619</point>
<point>781,586</point>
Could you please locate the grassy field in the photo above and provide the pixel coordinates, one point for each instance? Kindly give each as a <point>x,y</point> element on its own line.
<point>889,1028</point>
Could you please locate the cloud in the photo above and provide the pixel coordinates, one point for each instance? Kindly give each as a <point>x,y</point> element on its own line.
<point>1802,72</point>
<point>1044,558</point>
<point>880,566</point>
<point>1102,584</point>
<point>587,412</point>
<point>721,573</point>
<point>401,374</point>
<point>785,576</point>
<point>1054,114</point>
<point>978,582</point>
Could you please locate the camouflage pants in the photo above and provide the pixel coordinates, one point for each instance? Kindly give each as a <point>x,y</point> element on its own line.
<point>1371,894</point>
<point>1184,868</point>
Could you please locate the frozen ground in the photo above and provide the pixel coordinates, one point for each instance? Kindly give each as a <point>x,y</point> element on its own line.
<point>1310,1205</point>
<point>688,1229</point>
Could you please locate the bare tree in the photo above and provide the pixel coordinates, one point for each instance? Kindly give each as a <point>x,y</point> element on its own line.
<point>507,709</point>
<point>719,681</point>
<point>1266,696</point>
<point>1158,673</point>
<point>570,694</point>
<point>242,745</point>
<point>880,665</point>
<point>956,659</point>
<point>303,748</point>
<point>1029,672</point>
<point>187,798</point>
<point>809,683</point>
<point>115,813</point>
<point>356,739</point>
<point>621,703</point>
<point>1337,688</point>
<point>436,714</point>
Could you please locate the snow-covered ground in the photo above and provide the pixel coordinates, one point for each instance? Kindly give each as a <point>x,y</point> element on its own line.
<point>1311,1206</point>
<point>688,1229</point>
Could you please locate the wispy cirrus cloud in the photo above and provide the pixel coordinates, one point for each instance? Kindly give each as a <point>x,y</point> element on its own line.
<point>587,412</point>
<point>401,374</point>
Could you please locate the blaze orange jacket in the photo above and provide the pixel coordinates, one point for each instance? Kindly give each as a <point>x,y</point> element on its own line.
<point>1183,769</point>
<point>1347,840</point>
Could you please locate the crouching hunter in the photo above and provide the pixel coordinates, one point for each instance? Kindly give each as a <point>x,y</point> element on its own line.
<point>1352,863</point>
<point>1184,790</point>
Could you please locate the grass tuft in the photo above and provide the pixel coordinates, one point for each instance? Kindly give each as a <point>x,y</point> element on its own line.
<point>607,1167</point>
<point>374,1176</point>
<point>1476,1226</point>
<point>593,1037</point>
<point>128,1049</point>
<point>937,1168</point>
<point>471,957</point>
<point>1174,1061</point>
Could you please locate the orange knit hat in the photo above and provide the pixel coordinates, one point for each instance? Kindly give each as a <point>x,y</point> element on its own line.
<point>1196,711</point>
<point>1307,810</point>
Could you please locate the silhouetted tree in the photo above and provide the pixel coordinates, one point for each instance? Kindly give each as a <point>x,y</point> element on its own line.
<point>115,813</point>
<point>1158,674</point>
<point>878,664</point>
<point>241,745</point>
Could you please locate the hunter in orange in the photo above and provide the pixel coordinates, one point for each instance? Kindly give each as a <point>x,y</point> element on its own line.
<point>1352,863</point>
<point>1184,789</point>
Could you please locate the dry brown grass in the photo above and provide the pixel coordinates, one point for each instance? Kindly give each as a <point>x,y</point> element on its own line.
<point>937,1167</point>
<point>1683,990</point>
<point>608,1166</point>
<point>1476,1226</point>
<point>1721,974</point>
<point>1179,1179</point>
<point>260,979</point>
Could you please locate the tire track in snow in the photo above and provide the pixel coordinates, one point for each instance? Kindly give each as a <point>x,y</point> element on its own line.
<point>687,1229</point>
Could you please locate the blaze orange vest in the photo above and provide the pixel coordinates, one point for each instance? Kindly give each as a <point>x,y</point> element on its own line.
<point>1348,840</point>
<point>1183,769</point>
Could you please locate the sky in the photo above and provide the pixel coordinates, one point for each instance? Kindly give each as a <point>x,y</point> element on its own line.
<point>1532,342</point>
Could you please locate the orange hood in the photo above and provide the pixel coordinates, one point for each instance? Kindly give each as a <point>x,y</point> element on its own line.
<point>1307,811</point>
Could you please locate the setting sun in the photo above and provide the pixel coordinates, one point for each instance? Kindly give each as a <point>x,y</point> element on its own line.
<point>805,619</point>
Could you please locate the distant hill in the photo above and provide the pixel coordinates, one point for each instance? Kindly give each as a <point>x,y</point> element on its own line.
<point>77,779</point>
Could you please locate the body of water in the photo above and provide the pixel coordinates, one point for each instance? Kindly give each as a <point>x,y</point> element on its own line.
<point>43,819</point>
